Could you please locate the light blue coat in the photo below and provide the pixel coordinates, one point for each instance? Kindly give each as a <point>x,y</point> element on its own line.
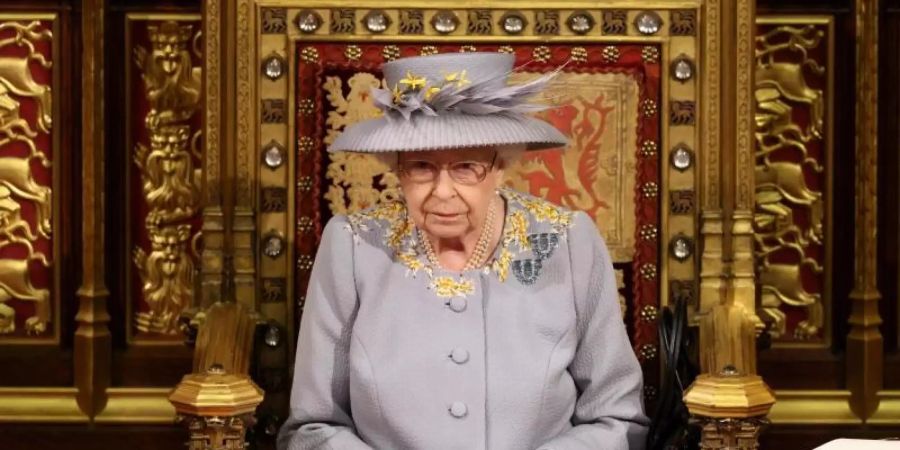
<point>530,354</point>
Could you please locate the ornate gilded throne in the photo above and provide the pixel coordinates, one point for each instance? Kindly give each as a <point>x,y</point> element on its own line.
<point>646,159</point>
<point>705,145</point>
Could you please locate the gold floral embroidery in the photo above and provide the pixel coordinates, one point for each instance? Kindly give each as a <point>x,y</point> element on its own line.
<point>447,287</point>
<point>398,233</point>
<point>397,94</point>
<point>400,230</point>
<point>400,236</point>
<point>413,263</point>
<point>458,78</point>
<point>413,81</point>
<point>515,233</point>
<point>394,213</point>
<point>501,264</point>
<point>518,230</point>
<point>431,91</point>
<point>543,210</point>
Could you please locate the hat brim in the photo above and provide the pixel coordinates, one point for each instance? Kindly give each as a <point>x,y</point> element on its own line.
<point>445,132</point>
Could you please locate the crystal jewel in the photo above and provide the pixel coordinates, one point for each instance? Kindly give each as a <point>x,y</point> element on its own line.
<point>273,336</point>
<point>683,70</point>
<point>273,155</point>
<point>682,158</point>
<point>308,21</point>
<point>376,21</point>
<point>581,23</point>
<point>648,22</point>
<point>681,248</point>
<point>445,22</point>
<point>274,67</point>
<point>513,24</point>
<point>273,246</point>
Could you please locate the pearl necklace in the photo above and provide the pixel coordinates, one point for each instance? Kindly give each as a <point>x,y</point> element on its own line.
<point>479,255</point>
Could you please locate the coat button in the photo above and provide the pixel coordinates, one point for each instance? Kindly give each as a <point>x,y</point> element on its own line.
<point>458,410</point>
<point>459,355</point>
<point>458,304</point>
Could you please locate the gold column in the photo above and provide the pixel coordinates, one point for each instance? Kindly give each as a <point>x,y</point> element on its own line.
<point>93,344</point>
<point>712,231</point>
<point>742,164</point>
<point>727,270</point>
<point>728,400</point>
<point>212,256</point>
<point>230,124</point>
<point>244,219</point>
<point>864,341</point>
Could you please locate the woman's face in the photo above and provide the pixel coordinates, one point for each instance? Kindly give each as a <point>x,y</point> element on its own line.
<point>444,207</point>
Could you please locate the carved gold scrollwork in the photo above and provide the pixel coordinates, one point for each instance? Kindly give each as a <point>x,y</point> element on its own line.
<point>171,82</point>
<point>15,279</point>
<point>357,181</point>
<point>168,278</point>
<point>18,185</point>
<point>16,80</point>
<point>169,175</point>
<point>170,182</point>
<point>790,214</point>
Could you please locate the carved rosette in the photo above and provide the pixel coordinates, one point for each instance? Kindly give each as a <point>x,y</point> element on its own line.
<point>167,158</point>
<point>792,86</point>
<point>26,176</point>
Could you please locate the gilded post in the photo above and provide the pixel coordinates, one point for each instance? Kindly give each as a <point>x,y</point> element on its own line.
<point>727,265</point>
<point>217,408</point>
<point>229,214</point>
<point>729,401</point>
<point>864,341</point>
<point>712,221</point>
<point>93,344</point>
<point>243,151</point>
<point>216,402</point>
<point>742,164</point>
<point>212,256</point>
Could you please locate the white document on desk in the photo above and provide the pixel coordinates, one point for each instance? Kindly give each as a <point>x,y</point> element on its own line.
<point>859,444</point>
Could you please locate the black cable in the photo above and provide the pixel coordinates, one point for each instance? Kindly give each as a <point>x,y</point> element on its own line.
<point>670,428</point>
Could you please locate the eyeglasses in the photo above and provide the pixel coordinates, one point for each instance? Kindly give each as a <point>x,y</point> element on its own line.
<point>462,172</point>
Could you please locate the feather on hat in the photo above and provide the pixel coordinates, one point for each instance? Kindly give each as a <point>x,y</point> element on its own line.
<point>452,100</point>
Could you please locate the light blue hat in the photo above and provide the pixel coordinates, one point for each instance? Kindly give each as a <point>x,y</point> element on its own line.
<point>452,101</point>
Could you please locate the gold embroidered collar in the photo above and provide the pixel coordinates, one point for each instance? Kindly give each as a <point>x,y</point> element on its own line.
<point>401,237</point>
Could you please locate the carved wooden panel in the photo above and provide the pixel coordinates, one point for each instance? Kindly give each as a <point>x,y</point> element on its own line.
<point>29,297</point>
<point>164,76</point>
<point>794,90</point>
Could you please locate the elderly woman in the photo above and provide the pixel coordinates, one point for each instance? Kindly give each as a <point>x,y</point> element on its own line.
<point>465,315</point>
